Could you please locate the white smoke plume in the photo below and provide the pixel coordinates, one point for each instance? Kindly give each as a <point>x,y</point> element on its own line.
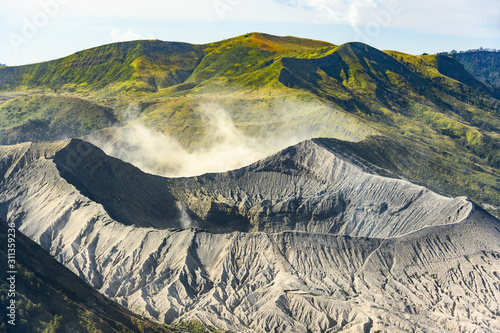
<point>227,148</point>
<point>185,221</point>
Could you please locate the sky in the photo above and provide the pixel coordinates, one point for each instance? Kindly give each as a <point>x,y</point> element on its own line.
<point>38,30</point>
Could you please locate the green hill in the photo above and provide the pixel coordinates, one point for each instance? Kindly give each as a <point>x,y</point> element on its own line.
<point>131,66</point>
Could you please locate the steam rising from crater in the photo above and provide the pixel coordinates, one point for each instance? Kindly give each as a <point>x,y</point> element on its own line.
<point>225,146</point>
<point>184,219</point>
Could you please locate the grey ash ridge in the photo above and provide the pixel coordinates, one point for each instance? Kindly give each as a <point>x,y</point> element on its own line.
<point>308,187</point>
<point>312,239</point>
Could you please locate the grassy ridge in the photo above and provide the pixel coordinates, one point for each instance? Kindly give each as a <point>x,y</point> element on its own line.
<point>386,89</point>
<point>136,66</point>
<point>148,65</point>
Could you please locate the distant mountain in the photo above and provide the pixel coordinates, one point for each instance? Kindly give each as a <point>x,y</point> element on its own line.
<point>149,65</point>
<point>483,65</point>
<point>322,236</point>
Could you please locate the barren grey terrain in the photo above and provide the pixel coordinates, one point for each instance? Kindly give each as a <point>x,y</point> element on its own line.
<point>306,240</point>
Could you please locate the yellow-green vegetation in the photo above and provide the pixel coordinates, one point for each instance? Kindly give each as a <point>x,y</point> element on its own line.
<point>50,117</point>
<point>259,113</point>
<point>279,86</point>
<point>252,60</point>
<point>140,66</point>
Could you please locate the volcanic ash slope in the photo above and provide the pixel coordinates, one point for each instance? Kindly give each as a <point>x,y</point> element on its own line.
<point>307,240</point>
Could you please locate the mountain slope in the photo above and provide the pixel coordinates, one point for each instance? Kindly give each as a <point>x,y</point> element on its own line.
<point>444,258</point>
<point>128,66</point>
<point>149,65</point>
<point>305,187</point>
<point>49,296</point>
<point>429,104</point>
<point>28,118</point>
<point>483,65</point>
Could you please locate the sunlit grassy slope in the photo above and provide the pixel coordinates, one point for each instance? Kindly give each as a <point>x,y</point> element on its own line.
<point>139,66</point>
<point>430,107</point>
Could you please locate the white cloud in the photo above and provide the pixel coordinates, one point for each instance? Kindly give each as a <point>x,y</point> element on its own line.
<point>334,11</point>
<point>117,36</point>
<point>473,18</point>
<point>466,18</point>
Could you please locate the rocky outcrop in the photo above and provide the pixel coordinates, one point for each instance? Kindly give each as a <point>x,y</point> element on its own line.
<point>333,246</point>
